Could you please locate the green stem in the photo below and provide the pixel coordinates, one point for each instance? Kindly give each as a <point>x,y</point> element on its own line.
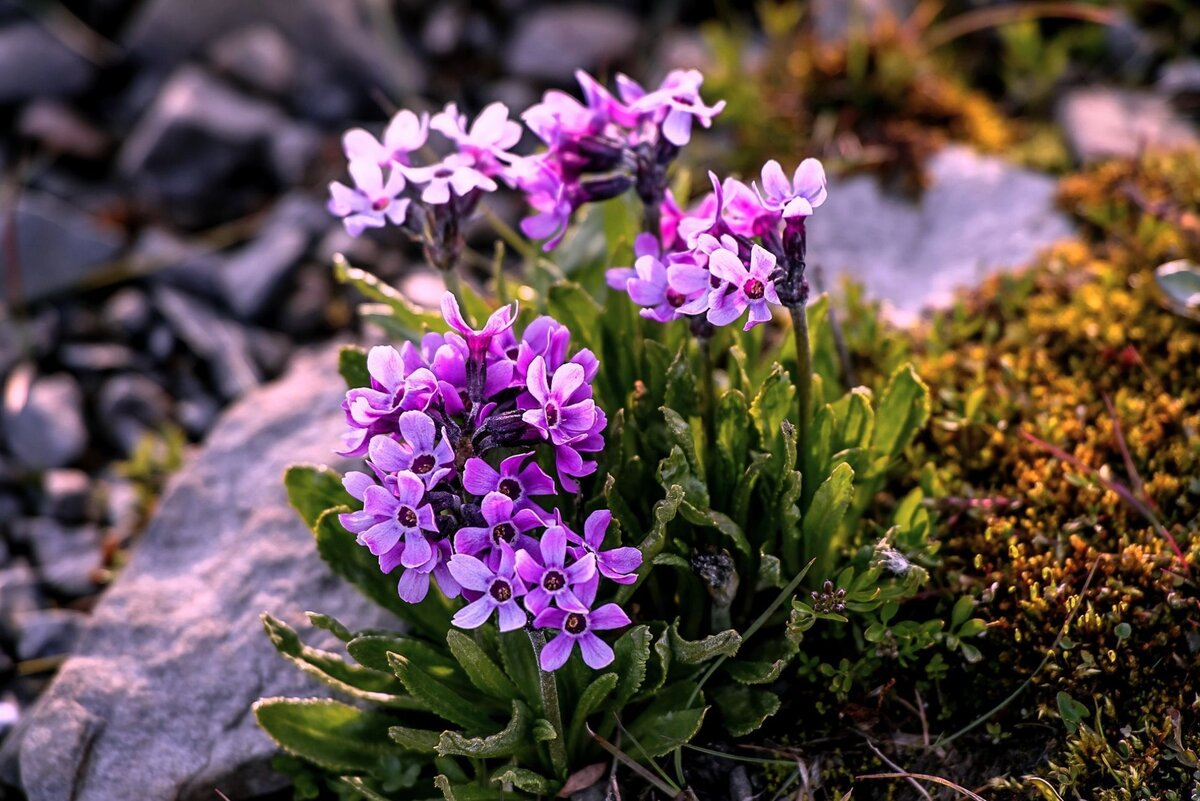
<point>708,398</point>
<point>550,707</point>
<point>453,283</point>
<point>799,314</point>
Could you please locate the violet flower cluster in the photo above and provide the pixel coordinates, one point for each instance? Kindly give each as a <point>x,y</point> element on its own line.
<point>451,429</point>
<point>739,251</point>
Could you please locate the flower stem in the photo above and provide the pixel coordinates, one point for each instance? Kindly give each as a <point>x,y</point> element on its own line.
<point>708,396</point>
<point>549,689</point>
<point>453,283</point>
<point>799,314</point>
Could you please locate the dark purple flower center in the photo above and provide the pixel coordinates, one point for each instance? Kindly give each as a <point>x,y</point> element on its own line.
<point>754,289</point>
<point>406,517</point>
<point>503,531</point>
<point>554,580</point>
<point>575,623</point>
<point>423,463</point>
<point>675,299</point>
<point>501,590</point>
<point>551,415</point>
<point>381,203</point>
<point>443,172</point>
<point>714,282</point>
<point>510,487</point>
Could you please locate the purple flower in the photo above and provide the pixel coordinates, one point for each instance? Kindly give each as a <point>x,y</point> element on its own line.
<point>557,416</point>
<point>454,175</point>
<point>748,287</point>
<point>579,627</point>
<point>541,179</point>
<point>489,138</point>
<point>645,244</point>
<point>375,409</point>
<point>499,589</point>
<point>413,585</point>
<point>394,521</point>
<point>677,103</point>
<point>616,564</point>
<point>479,341</point>
<point>506,526</point>
<point>549,579</point>
<point>422,453</point>
<point>373,202</point>
<point>518,479</point>
<point>797,197</point>
<point>405,133</point>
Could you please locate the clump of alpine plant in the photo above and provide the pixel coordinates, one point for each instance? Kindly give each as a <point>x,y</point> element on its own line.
<point>451,429</point>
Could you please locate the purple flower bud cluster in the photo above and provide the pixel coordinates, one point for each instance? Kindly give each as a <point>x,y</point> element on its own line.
<point>451,429</point>
<point>739,250</point>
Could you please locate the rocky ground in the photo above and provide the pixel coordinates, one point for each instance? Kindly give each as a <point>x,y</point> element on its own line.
<point>166,252</point>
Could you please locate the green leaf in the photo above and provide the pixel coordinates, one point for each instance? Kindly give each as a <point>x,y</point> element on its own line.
<point>352,365</point>
<point>479,667</point>
<point>525,779</point>
<point>631,655</point>
<point>590,700</point>
<point>679,432</point>
<point>770,573</point>
<point>503,743</point>
<point>312,489</point>
<point>771,405</point>
<point>1179,286</point>
<point>668,722</point>
<point>675,471</point>
<point>352,680</point>
<point>764,664</point>
<point>681,394</point>
<point>744,708</point>
<point>405,319</point>
<point>421,741</point>
<point>1071,711</point>
<point>331,625</point>
<point>328,733</point>
<point>574,307</point>
<point>825,515</point>
<point>465,792</point>
<point>725,643</point>
<point>903,411</point>
<point>654,541</point>
<point>543,731</point>
<point>856,419</point>
<point>440,698</point>
<point>521,666</point>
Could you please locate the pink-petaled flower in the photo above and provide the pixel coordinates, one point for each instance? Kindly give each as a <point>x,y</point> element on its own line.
<point>557,416</point>
<point>645,244</point>
<point>519,478</point>
<point>421,453</point>
<point>498,590</point>
<point>478,342</point>
<point>413,585</point>
<point>797,197</point>
<point>541,179</point>
<point>487,140</point>
<point>404,134</point>
<point>376,409</point>
<point>579,628</point>
<point>746,287</point>
<point>505,524</point>
<point>373,202</point>
<point>677,103</point>
<point>395,521</point>
<point>616,564</point>
<point>549,578</point>
<point>454,176</point>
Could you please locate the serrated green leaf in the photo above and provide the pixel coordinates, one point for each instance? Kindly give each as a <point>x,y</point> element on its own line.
<point>421,741</point>
<point>631,655</point>
<point>525,779</point>
<point>440,698</point>
<point>771,405</point>
<point>590,700</point>
<point>453,791</point>
<point>689,652</point>
<point>312,489</point>
<point>675,471</point>
<point>903,411</point>
<point>543,731</point>
<point>658,667</point>
<point>824,517</point>
<point>328,733</point>
<point>744,708</point>
<point>372,651</point>
<point>681,390</point>
<point>743,493</point>
<point>855,419</point>
<point>503,743</point>
<point>352,680</point>
<point>332,625</point>
<point>770,573</point>
<point>721,522</point>
<point>668,722</point>
<point>765,662</point>
<point>521,667</point>
<point>483,672</point>
<point>654,541</point>
<point>406,320</point>
<point>362,788</point>
<point>352,365</point>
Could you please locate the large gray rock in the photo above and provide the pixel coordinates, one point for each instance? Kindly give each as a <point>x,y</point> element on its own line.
<point>979,215</point>
<point>155,702</point>
<point>1103,122</point>
<point>549,44</point>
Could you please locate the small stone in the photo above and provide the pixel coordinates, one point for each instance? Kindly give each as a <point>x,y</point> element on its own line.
<point>45,428</point>
<point>258,56</point>
<point>67,495</point>
<point>252,276</point>
<point>217,340</point>
<point>305,312</point>
<point>1102,122</point>
<point>68,558</point>
<point>292,150</point>
<point>59,247</point>
<point>271,350</point>
<point>61,129</point>
<point>551,42</point>
<point>1180,81</point>
<point>127,313</point>
<point>35,63</point>
<point>197,415</point>
<point>169,259</point>
<point>96,357</point>
<point>47,632</point>
<point>18,591</point>
<point>132,406</point>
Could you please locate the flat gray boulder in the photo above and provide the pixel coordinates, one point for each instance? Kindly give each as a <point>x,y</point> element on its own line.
<point>155,702</point>
<point>978,216</point>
